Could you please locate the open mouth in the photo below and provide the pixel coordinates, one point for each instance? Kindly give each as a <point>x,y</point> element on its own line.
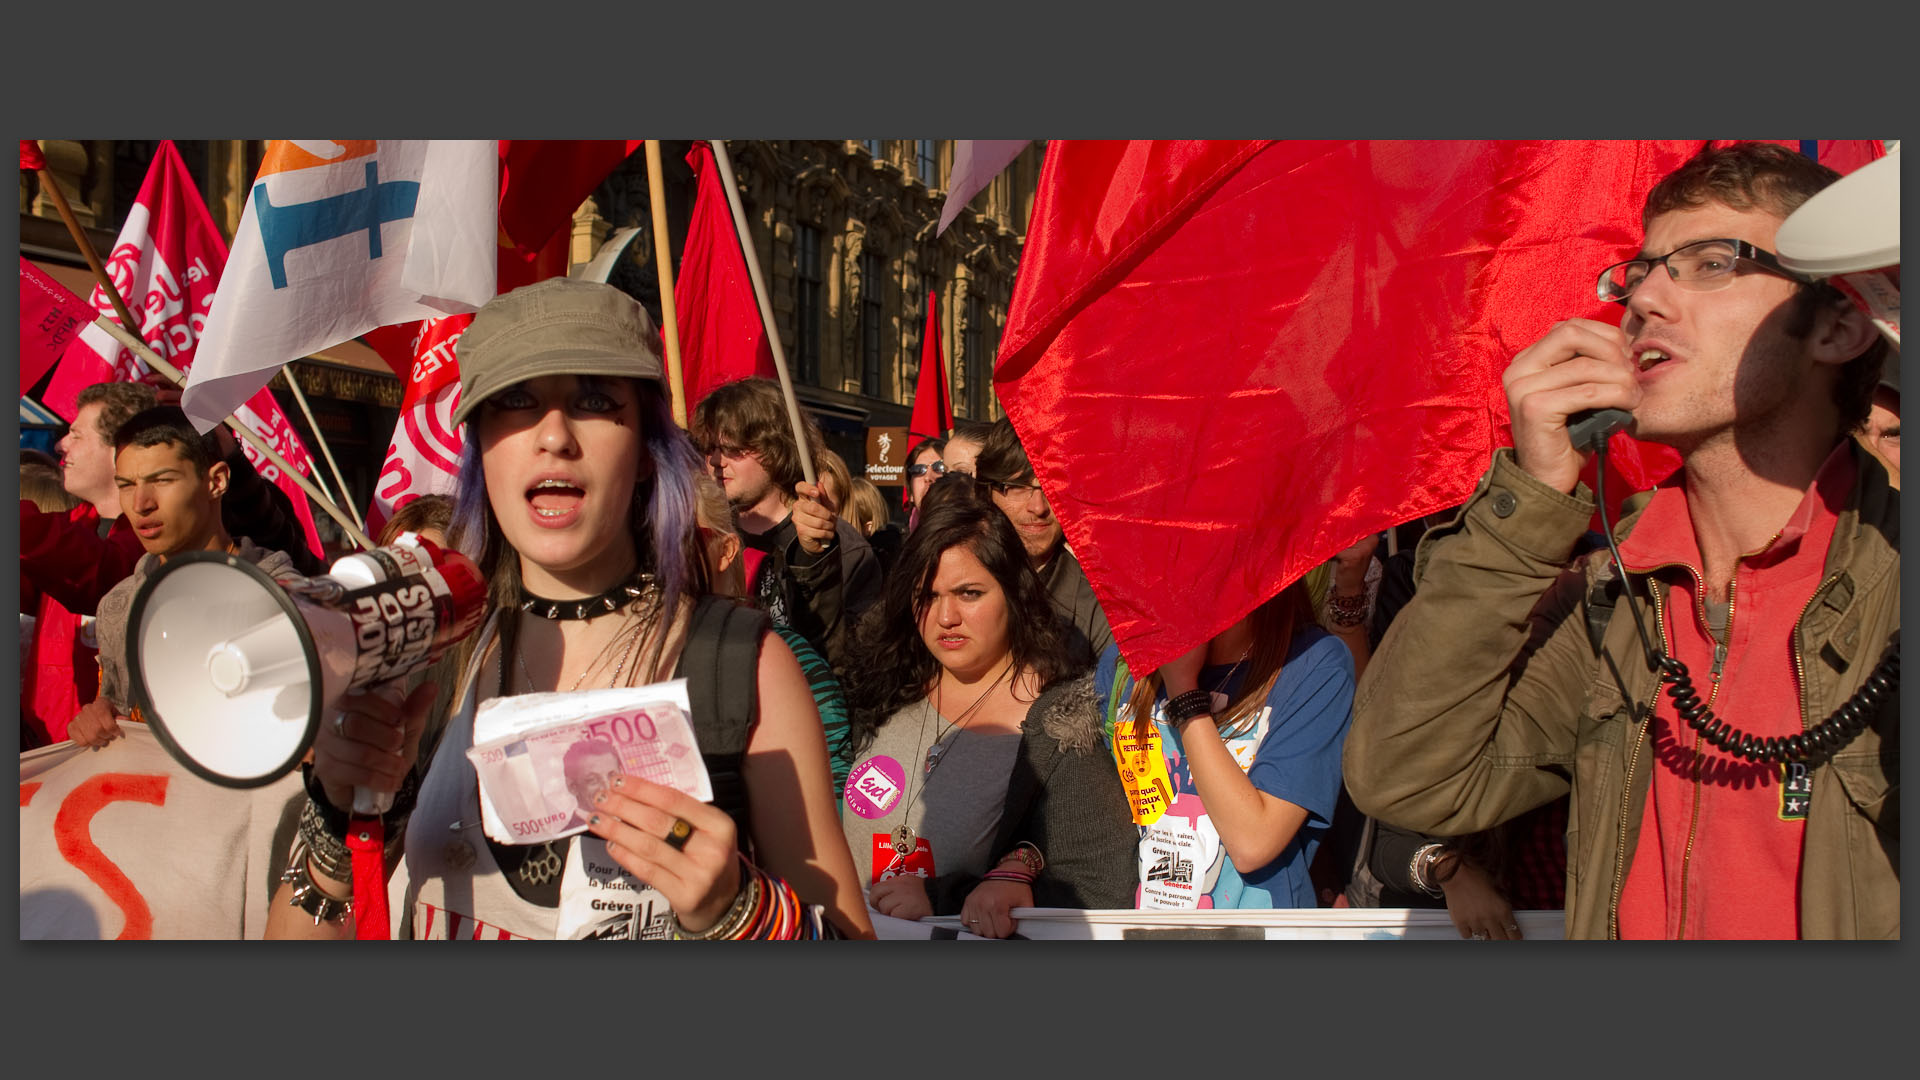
<point>553,499</point>
<point>1650,357</point>
<point>149,529</point>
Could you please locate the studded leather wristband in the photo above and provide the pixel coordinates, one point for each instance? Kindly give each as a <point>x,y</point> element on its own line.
<point>1191,705</point>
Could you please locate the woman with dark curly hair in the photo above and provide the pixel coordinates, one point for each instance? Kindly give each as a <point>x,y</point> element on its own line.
<point>980,780</point>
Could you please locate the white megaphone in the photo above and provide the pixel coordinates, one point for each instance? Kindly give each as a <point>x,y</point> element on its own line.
<point>1849,234</point>
<point>234,671</point>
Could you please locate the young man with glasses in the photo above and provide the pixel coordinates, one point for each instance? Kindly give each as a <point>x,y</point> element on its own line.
<point>1768,568</point>
<point>806,567</point>
<point>1008,477</point>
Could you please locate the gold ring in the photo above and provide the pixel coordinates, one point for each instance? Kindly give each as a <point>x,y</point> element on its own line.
<point>679,834</point>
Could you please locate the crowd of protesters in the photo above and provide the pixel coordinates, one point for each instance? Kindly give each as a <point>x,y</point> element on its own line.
<point>935,718</point>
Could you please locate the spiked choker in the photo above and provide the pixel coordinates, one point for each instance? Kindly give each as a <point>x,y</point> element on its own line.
<point>641,584</point>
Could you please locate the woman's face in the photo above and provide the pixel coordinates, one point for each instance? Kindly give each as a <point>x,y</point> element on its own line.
<point>562,454</point>
<point>917,485</point>
<point>966,625</point>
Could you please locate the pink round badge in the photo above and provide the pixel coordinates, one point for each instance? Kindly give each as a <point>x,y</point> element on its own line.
<point>875,785</point>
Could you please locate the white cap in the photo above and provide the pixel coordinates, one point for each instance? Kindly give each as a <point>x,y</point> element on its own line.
<point>1852,225</point>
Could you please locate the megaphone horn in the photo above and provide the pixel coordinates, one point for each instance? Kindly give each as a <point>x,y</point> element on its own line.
<point>235,671</point>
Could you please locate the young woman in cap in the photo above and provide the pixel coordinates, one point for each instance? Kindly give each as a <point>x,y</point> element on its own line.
<point>576,499</point>
<point>980,782</point>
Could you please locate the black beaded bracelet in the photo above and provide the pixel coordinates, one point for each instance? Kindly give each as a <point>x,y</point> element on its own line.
<point>1191,705</point>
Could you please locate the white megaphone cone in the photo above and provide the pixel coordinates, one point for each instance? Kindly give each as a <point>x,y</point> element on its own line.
<point>235,671</point>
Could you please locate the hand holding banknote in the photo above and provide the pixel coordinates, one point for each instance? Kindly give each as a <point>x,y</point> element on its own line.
<point>700,877</point>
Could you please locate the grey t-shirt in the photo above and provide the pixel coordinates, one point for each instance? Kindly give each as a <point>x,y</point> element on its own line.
<point>955,810</point>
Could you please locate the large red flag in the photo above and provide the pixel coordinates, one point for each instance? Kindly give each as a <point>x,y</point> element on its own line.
<point>166,264</point>
<point>722,337</point>
<point>1230,360</point>
<point>31,159</point>
<point>932,400</point>
<point>542,182</point>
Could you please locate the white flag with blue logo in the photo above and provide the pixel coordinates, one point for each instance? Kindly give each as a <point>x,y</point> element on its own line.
<point>340,237</point>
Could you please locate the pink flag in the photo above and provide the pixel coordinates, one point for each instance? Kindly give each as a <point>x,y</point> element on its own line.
<point>50,317</point>
<point>424,457</point>
<point>166,265</point>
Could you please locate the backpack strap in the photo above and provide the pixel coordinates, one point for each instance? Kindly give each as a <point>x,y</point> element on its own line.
<point>721,663</point>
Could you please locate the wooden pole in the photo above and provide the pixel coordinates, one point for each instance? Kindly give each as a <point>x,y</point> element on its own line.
<point>313,425</point>
<point>766,306</point>
<point>154,360</point>
<point>663,262</point>
<point>52,188</point>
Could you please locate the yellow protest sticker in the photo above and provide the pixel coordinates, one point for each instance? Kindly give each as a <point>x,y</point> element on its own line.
<point>1143,770</point>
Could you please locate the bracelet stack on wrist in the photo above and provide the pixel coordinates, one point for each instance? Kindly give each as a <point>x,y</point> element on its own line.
<point>1344,611</point>
<point>1419,867</point>
<point>765,909</point>
<point>307,896</point>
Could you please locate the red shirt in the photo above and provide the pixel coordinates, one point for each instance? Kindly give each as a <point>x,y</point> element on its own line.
<point>1720,837</point>
<point>69,563</point>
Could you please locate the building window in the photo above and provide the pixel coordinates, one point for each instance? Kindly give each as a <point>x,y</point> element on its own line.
<point>873,284</point>
<point>876,148</point>
<point>806,329</point>
<point>974,344</point>
<point>927,162</point>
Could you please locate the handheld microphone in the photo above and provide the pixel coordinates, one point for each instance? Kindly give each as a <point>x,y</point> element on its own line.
<point>1591,429</point>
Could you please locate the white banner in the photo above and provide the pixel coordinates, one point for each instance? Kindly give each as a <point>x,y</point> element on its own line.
<point>123,842</point>
<point>1275,924</point>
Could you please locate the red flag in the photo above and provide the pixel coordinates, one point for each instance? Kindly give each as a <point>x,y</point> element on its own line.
<point>50,319</point>
<point>166,264</point>
<point>542,182</point>
<point>31,159</point>
<point>932,401</point>
<point>1230,360</point>
<point>722,337</point>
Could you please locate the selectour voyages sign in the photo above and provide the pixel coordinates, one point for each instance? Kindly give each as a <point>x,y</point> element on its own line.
<point>887,456</point>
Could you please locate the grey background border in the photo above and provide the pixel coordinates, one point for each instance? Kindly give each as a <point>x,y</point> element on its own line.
<point>1120,69</point>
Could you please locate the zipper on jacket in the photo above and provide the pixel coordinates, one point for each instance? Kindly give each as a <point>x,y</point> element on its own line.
<point>1693,822</point>
<point>1626,797</point>
<point>1799,666</point>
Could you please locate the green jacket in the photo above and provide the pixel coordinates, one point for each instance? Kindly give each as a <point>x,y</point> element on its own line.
<point>1487,699</point>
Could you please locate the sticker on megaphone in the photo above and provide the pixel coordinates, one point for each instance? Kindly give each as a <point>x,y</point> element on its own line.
<point>235,671</point>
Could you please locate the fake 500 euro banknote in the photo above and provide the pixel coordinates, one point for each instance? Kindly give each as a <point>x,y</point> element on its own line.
<point>541,758</point>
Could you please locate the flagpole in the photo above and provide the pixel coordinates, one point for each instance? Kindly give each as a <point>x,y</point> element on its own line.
<point>153,359</point>
<point>123,332</point>
<point>766,306</point>
<point>314,426</point>
<point>663,262</point>
<point>52,188</point>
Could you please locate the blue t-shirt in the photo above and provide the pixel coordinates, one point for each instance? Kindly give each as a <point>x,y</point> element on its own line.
<point>1293,753</point>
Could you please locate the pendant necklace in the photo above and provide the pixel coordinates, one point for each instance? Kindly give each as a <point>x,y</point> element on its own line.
<point>904,836</point>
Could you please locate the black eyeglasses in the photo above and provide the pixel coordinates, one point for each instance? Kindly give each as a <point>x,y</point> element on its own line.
<point>1702,265</point>
<point>917,471</point>
<point>1008,490</point>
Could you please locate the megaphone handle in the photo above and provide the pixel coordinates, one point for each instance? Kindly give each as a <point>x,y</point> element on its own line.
<point>370,803</point>
<point>366,801</point>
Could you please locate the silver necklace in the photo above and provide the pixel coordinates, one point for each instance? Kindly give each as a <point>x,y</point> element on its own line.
<point>903,836</point>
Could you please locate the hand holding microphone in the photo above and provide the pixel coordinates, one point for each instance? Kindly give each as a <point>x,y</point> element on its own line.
<point>1581,366</point>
